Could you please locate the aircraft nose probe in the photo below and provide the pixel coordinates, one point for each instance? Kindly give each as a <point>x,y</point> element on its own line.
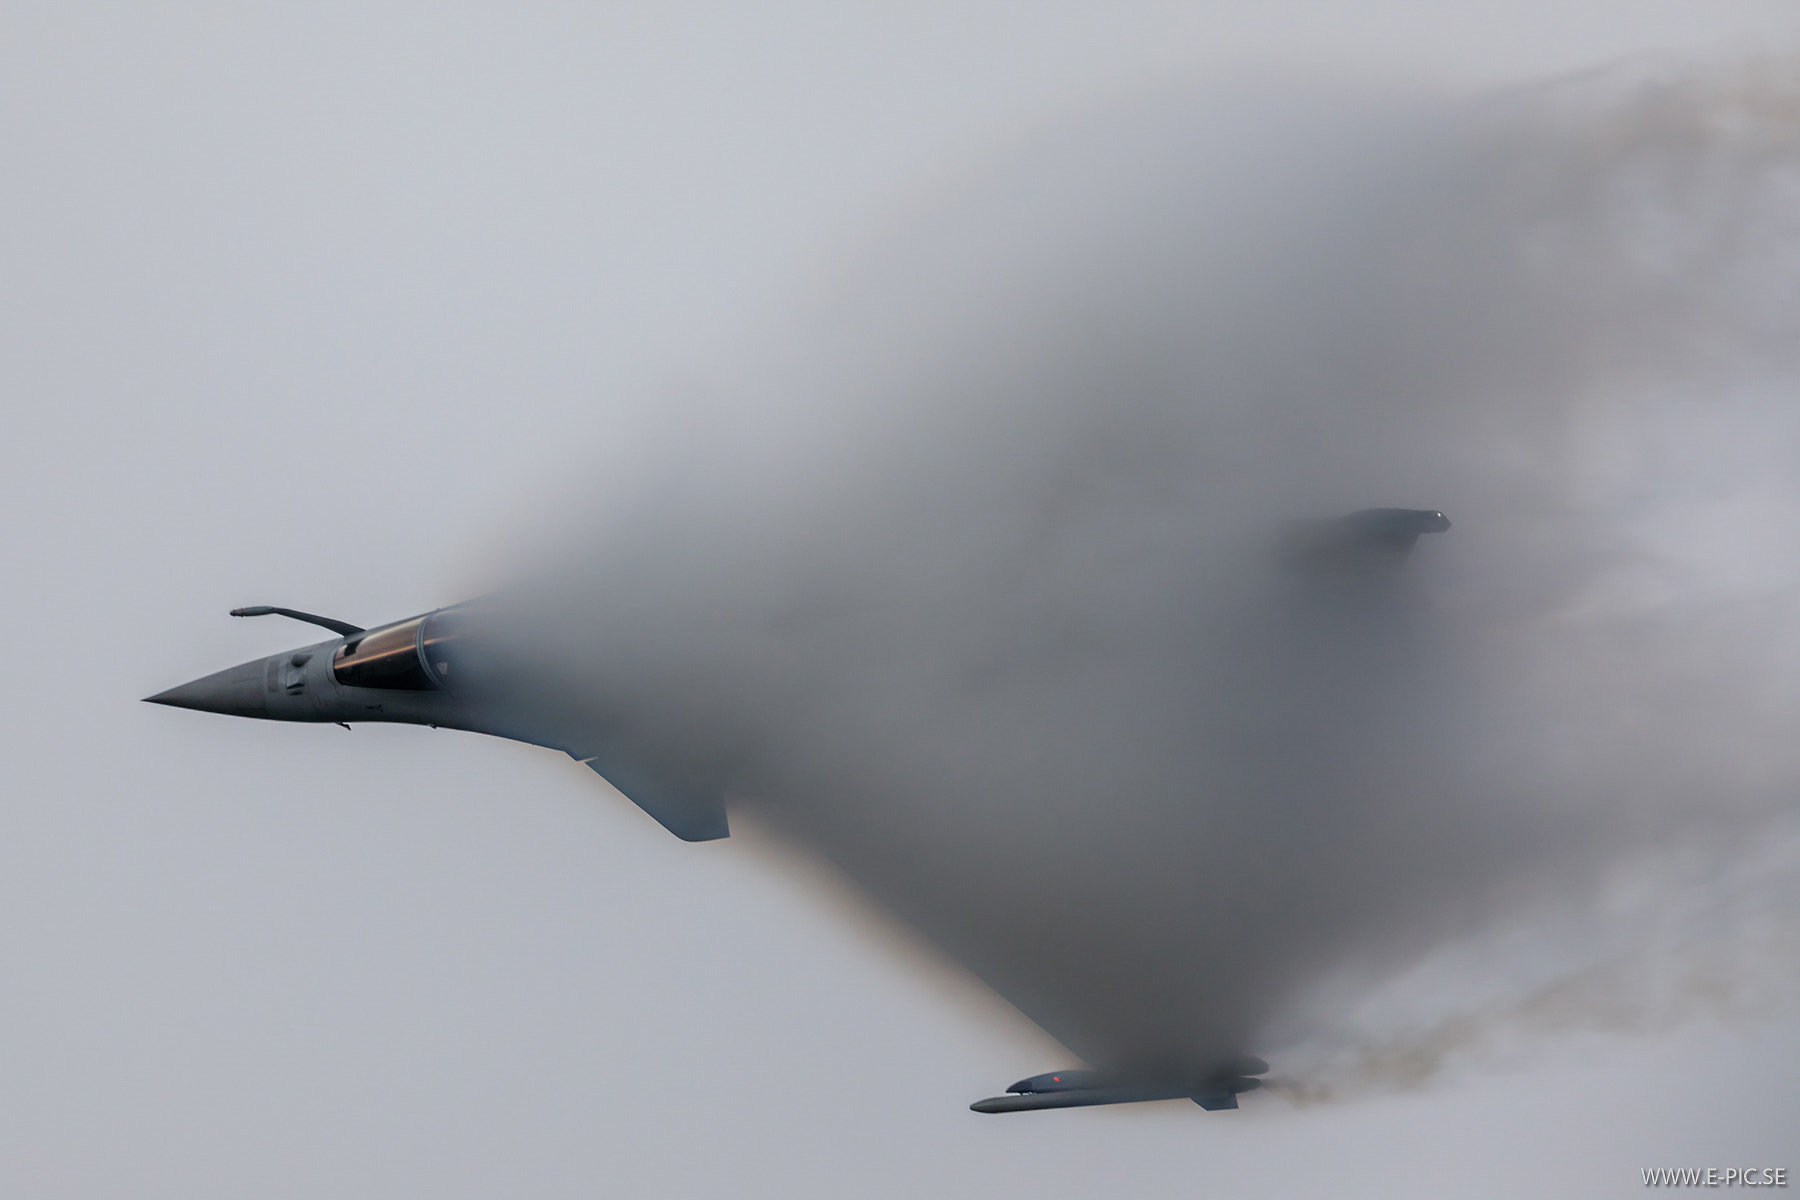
<point>342,628</point>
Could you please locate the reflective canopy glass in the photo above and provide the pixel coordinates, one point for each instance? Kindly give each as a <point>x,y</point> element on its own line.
<point>383,658</point>
<point>443,641</point>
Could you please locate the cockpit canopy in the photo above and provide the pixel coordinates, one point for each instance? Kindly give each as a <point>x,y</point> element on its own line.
<point>420,655</point>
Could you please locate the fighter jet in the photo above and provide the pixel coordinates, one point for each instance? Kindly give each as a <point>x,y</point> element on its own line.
<point>440,669</point>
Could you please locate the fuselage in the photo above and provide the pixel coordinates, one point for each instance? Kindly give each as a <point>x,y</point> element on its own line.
<point>400,672</point>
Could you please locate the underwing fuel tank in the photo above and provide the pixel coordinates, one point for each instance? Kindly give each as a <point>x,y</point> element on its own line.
<point>429,670</point>
<point>1212,1090</point>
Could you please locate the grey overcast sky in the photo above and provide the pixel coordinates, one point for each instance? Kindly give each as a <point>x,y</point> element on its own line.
<point>318,305</point>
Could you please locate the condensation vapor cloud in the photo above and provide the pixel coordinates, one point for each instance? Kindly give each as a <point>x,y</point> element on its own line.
<point>975,587</point>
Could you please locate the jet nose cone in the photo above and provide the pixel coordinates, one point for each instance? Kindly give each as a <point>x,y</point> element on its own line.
<point>236,692</point>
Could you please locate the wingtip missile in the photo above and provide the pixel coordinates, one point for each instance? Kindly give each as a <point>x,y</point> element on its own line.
<point>1362,539</point>
<point>1213,1090</point>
